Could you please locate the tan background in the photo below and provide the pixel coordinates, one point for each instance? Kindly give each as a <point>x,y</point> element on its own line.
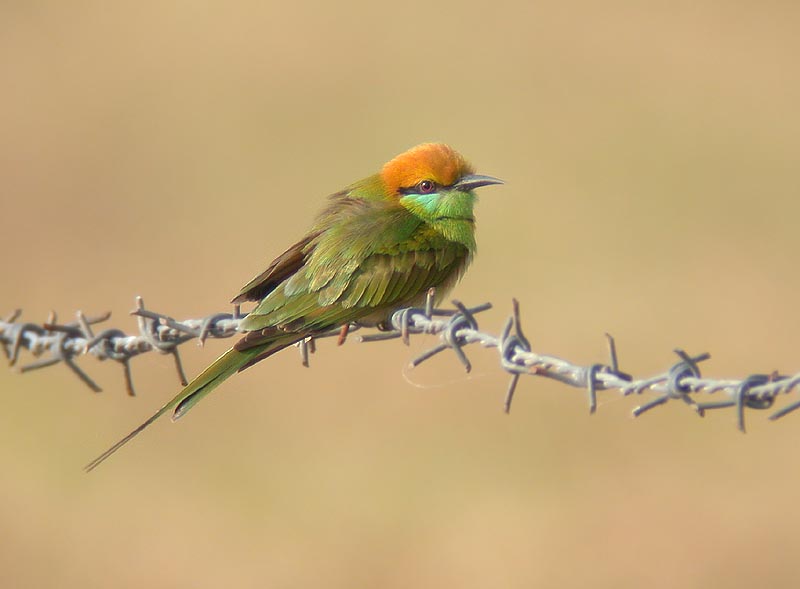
<point>170,151</point>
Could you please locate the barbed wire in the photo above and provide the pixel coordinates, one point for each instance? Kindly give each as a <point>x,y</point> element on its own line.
<point>54,343</point>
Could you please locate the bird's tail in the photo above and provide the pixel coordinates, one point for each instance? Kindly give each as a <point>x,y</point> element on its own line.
<point>226,365</point>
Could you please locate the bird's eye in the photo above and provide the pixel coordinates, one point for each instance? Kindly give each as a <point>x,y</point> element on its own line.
<point>426,186</point>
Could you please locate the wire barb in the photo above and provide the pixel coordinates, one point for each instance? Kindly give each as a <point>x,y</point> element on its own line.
<point>53,343</point>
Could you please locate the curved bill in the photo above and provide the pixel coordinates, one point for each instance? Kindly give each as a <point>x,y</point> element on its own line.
<point>476,181</point>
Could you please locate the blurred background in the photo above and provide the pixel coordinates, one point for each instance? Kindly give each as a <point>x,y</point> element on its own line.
<point>171,150</point>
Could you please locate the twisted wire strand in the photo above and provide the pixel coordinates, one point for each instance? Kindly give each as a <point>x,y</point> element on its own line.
<point>53,343</point>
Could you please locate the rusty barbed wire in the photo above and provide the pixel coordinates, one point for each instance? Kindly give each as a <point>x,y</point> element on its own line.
<point>53,343</point>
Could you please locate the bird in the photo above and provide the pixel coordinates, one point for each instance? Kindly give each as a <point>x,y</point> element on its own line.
<point>380,244</point>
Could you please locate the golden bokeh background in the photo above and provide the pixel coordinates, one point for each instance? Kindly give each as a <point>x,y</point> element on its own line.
<point>170,150</point>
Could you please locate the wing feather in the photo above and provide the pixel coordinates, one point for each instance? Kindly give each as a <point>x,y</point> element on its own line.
<point>282,268</point>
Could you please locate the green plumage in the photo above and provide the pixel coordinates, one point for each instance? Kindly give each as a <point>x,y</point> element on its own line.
<point>379,245</point>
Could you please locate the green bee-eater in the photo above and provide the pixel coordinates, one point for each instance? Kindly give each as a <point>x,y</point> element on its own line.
<point>379,245</point>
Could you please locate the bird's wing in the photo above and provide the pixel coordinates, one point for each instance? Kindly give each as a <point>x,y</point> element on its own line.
<point>281,268</point>
<point>378,282</point>
<point>342,207</point>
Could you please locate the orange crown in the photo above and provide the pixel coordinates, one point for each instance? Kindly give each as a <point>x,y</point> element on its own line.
<point>428,161</point>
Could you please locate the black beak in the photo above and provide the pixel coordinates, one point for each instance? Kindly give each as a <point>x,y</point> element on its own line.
<point>475,181</point>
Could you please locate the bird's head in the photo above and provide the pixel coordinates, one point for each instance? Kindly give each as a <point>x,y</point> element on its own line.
<point>435,183</point>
